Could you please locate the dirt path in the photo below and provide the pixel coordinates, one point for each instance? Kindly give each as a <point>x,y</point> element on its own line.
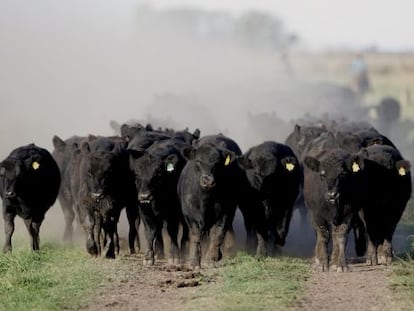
<point>132,286</point>
<point>362,288</point>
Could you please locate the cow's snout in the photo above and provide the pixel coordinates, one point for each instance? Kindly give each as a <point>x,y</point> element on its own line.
<point>332,197</point>
<point>207,181</point>
<point>9,194</point>
<point>144,197</point>
<point>96,195</point>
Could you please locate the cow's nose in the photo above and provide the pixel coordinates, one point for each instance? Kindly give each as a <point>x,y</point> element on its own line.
<point>332,197</point>
<point>207,181</point>
<point>10,194</point>
<point>96,195</point>
<point>144,197</point>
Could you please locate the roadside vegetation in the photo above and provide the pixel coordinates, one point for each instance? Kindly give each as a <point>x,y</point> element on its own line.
<point>55,278</point>
<point>245,283</point>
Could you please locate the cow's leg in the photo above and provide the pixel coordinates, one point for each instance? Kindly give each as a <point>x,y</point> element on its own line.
<point>69,216</point>
<point>33,229</point>
<point>172,229</point>
<point>248,225</point>
<point>134,221</point>
<point>195,257</point>
<point>109,227</point>
<point>98,233</point>
<point>321,247</point>
<point>150,237</point>
<point>262,239</point>
<point>385,256</point>
<point>372,258</point>
<point>89,226</point>
<point>8,230</point>
<point>184,242</point>
<point>159,244</point>
<point>229,242</point>
<point>217,234</point>
<point>339,234</point>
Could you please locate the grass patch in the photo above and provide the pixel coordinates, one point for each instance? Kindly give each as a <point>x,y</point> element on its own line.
<point>401,282</point>
<point>246,283</point>
<point>54,278</point>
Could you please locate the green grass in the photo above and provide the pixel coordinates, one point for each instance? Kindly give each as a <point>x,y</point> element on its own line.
<point>246,283</point>
<point>54,278</point>
<point>401,282</point>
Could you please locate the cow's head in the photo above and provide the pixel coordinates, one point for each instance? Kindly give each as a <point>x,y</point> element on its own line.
<point>17,174</point>
<point>338,176</point>
<point>210,162</point>
<point>152,172</point>
<point>262,169</point>
<point>99,169</point>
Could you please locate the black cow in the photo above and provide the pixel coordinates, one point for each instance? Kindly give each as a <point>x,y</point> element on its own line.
<point>62,153</point>
<point>208,189</point>
<point>274,177</point>
<point>105,186</point>
<point>332,178</point>
<point>157,170</point>
<point>29,185</point>
<point>387,189</point>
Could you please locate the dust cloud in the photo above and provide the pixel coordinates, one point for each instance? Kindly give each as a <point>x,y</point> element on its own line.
<point>71,67</point>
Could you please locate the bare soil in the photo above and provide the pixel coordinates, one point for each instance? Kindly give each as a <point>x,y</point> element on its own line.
<point>132,286</point>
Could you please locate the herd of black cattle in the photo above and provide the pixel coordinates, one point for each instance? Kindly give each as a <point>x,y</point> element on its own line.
<point>349,175</point>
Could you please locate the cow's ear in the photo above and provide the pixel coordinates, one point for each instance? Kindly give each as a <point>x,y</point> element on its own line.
<point>355,163</point>
<point>297,129</point>
<point>312,163</point>
<point>85,148</point>
<point>403,167</point>
<point>171,162</point>
<point>188,153</point>
<point>91,137</point>
<point>196,134</point>
<point>289,163</point>
<point>244,162</point>
<point>58,143</point>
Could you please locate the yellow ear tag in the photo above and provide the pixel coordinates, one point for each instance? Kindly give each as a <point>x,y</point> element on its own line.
<point>290,167</point>
<point>35,165</point>
<point>227,161</point>
<point>402,171</point>
<point>355,167</point>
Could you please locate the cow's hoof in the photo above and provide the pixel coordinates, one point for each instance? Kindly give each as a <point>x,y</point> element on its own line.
<point>7,249</point>
<point>384,260</point>
<point>339,269</point>
<point>110,255</point>
<point>148,262</point>
<point>173,261</point>
<point>372,261</point>
<point>92,248</point>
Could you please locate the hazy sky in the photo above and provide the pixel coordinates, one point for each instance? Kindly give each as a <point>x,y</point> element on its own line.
<point>331,23</point>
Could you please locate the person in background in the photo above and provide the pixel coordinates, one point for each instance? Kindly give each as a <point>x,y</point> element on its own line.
<point>359,72</point>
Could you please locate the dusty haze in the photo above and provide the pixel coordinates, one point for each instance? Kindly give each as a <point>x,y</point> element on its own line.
<point>70,67</point>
